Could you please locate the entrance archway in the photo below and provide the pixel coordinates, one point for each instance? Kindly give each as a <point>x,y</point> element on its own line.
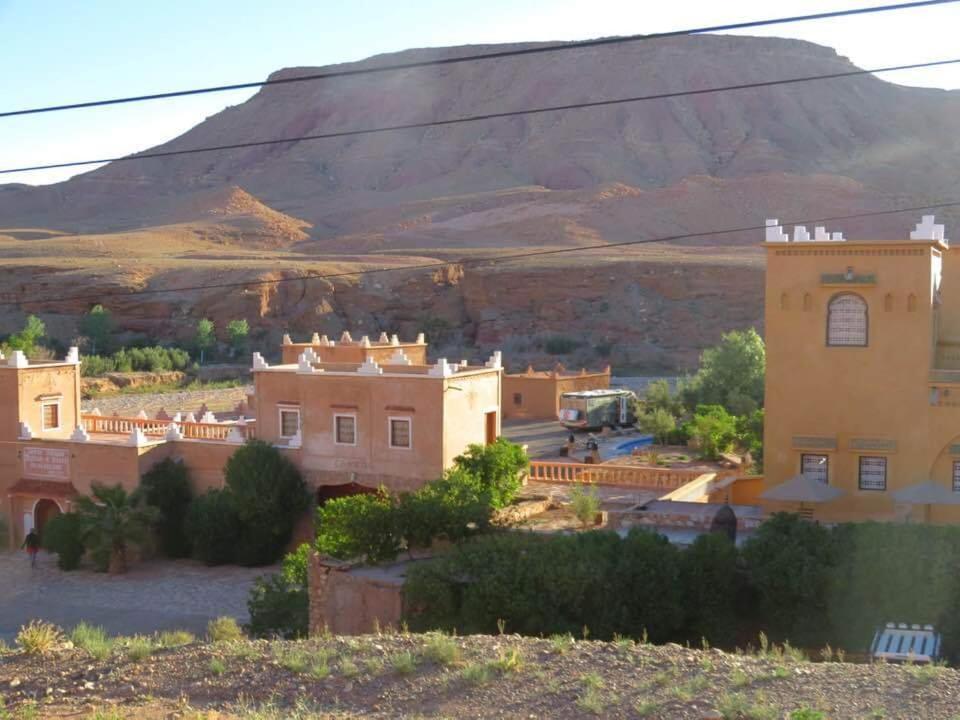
<point>43,510</point>
<point>332,492</point>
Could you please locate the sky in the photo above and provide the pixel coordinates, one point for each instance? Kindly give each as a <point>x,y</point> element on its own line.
<point>61,51</point>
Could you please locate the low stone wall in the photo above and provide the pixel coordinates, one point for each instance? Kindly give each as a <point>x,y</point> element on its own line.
<point>523,510</point>
<point>346,599</point>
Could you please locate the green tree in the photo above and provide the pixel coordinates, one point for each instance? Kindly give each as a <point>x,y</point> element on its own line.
<point>731,374</point>
<point>279,604</point>
<point>111,519</point>
<point>713,429</point>
<point>359,526</point>
<point>658,396</point>
<point>708,572</point>
<point>238,332</point>
<point>205,338</point>
<point>750,437</point>
<point>659,423</point>
<point>212,527</point>
<point>166,486</point>
<point>26,340</point>
<point>96,326</point>
<point>498,466</point>
<point>63,535</point>
<point>269,495</point>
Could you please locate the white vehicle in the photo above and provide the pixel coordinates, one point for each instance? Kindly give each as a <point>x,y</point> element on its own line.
<point>903,643</point>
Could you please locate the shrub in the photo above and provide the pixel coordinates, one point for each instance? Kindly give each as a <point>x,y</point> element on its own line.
<point>561,345</point>
<point>38,637</point>
<point>166,486</point>
<point>212,527</point>
<point>63,535</point>
<point>135,359</point>
<point>224,629</point>
<point>279,604</point>
<point>269,496</point>
<point>498,466</point>
<point>359,526</point>
<point>659,423</point>
<point>731,374</point>
<point>453,507</point>
<point>708,572</point>
<point>111,519</point>
<point>138,647</point>
<point>585,502</point>
<point>714,430</point>
<point>175,638</point>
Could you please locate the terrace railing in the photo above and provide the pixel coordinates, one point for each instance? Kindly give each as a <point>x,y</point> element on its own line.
<point>113,425</point>
<point>624,475</point>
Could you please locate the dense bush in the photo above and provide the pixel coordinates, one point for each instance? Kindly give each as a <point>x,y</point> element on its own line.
<point>63,535</point>
<point>111,519</point>
<point>498,466</point>
<point>708,575</point>
<point>148,359</point>
<point>269,496</point>
<point>731,374</point>
<point>278,604</point>
<point>212,527</point>
<point>561,345</point>
<point>713,429</point>
<point>359,526</point>
<point>166,486</point>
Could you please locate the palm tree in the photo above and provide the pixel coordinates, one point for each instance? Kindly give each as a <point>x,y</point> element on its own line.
<point>111,518</point>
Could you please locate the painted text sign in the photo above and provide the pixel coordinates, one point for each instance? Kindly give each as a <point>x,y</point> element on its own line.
<point>46,463</point>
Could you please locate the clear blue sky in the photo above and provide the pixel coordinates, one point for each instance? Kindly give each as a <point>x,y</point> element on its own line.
<point>56,51</point>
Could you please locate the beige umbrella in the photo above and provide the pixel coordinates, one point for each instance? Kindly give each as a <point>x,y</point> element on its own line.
<point>926,493</point>
<point>802,489</point>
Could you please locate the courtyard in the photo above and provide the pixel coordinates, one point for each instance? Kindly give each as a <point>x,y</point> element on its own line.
<point>153,596</point>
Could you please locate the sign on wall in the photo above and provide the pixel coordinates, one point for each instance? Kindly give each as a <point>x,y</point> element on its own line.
<point>40,463</point>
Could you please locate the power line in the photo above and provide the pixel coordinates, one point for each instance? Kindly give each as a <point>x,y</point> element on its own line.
<point>485,116</point>
<point>469,262</point>
<point>482,56</point>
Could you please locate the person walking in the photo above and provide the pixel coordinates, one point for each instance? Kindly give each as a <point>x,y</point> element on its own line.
<point>32,543</point>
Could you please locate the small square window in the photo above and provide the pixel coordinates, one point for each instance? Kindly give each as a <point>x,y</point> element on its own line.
<point>51,415</point>
<point>289,422</point>
<point>345,429</point>
<point>400,433</point>
<point>518,398</point>
<point>873,473</point>
<point>815,467</point>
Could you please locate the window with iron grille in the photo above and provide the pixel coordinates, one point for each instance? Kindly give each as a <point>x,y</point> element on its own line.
<point>847,321</point>
<point>518,398</point>
<point>815,467</point>
<point>956,475</point>
<point>345,429</point>
<point>400,432</point>
<point>289,422</point>
<point>873,473</point>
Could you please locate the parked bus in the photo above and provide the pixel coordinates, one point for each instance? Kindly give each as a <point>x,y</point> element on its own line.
<point>595,409</point>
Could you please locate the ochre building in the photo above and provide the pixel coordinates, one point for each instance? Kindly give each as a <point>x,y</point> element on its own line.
<point>355,425</point>
<point>863,370</point>
<point>535,394</point>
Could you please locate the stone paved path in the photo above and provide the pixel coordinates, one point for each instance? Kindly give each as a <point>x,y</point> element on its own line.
<point>152,596</point>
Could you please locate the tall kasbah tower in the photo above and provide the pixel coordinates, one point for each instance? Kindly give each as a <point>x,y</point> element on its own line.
<point>863,367</point>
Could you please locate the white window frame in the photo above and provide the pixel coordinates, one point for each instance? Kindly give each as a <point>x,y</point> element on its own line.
<point>404,418</point>
<point>886,465</point>
<point>281,409</point>
<point>43,413</point>
<point>356,429</point>
<point>839,335</point>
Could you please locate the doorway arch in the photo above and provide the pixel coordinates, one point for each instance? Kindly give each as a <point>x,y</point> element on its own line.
<point>43,510</point>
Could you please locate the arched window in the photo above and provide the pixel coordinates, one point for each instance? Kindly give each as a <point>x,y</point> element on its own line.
<point>847,321</point>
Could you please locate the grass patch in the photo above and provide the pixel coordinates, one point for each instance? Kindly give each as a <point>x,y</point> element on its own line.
<point>38,638</point>
<point>508,660</point>
<point>441,649</point>
<point>93,640</point>
<point>348,668</point>
<point>224,629</point>
<point>241,650</point>
<point>138,647</point>
<point>592,701</point>
<point>924,674</point>
<point>476,674</point>
<point>175,638</point>
<point>562,644</point>
<point>807,714</point>
<point>645,708</point>
<point>404,663</point>
<point>217,666</point>
<point>735,706</point>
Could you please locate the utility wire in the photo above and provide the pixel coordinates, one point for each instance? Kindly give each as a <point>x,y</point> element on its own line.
<point>486,116</point>
<point>470,262</point>
<point>482,56</point>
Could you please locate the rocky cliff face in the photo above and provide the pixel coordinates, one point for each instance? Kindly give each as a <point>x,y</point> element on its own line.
<point>571,179</point>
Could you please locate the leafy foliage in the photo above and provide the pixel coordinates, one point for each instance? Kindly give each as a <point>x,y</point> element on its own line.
<point>205,338</point>
<point>750,437</point>
<point>279,604</point>
<point>238,332</point>
<point>269,496</point>
<point>713,429</point>
<point>111,519</point>
<point>708,574</point>
<point>731,374</point>
<point>585,502</point>
<point>166,486</point>
<point>63,535</point>
<point>148,359</point>
<point>359,526</point>
<point>659,423</point>
<point>498,467</point>
<point>34,330</point>
<point>212,527</point>
<point>96,326</point>
<point>561,345</point>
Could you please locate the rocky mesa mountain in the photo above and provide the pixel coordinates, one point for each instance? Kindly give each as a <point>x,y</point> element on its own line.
<point>641,170</point>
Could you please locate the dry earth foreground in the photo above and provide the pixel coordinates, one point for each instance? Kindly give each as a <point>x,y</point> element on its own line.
<point>428,676</point>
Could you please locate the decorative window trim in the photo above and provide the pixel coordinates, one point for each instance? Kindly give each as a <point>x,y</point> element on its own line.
<point>866,321</point>
<point>826,463</point>
<point>336,429</point>
<point>956,475</point>
<point>281,409</point>
<point>880,461</point>
<point>43,414</point>
<point>409,422</point>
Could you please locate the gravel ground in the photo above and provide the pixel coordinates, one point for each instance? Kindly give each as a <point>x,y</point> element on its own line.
<point>403,675</point>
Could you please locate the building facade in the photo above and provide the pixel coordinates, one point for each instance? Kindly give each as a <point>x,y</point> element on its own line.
<point>344,424</point>
<point>535,394</point>
<point>863,368</point>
